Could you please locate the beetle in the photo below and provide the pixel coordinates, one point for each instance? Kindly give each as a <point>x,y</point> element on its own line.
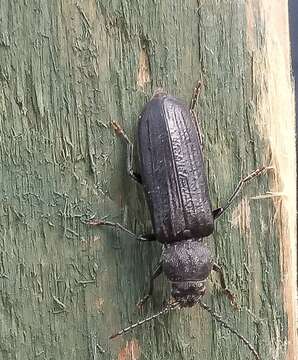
<point>173,176</point>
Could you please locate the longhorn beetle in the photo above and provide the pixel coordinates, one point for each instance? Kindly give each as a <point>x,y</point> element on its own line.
<point>174,180</point>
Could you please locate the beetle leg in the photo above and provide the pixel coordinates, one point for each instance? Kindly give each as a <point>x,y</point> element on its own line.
<point>223,284</point>
<point>193,102</point>
<point>219,211</point>
<point>157,271</point>
<point>129,144</point>
<point>146,237</point>
<point>195,95</point>
<point>99,222</point>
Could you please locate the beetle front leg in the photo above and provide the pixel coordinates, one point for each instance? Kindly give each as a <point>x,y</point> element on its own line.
<point>223,284</point>
<point>157,271</point>
<point>219,211</point>
<point>129,144</point>
<point>99,222</point>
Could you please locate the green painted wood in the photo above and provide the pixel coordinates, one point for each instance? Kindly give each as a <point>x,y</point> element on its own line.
<point>67,69</point>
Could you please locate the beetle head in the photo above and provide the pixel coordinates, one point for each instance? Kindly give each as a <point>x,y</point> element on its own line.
<point>187,264</point>
<point>188,293</point>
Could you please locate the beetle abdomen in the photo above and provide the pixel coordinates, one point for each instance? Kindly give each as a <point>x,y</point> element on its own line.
<point>172,171</point>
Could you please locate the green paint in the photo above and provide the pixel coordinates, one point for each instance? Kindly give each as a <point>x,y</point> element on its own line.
<point>66,70</point>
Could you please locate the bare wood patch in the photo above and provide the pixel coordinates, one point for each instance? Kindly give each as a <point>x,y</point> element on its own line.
<point>276,123</point>
<point>131,351</point>
<point>144,69</point>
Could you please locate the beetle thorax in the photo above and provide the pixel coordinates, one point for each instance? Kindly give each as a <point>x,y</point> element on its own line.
<point>188,260</point>
<point>187,264</point>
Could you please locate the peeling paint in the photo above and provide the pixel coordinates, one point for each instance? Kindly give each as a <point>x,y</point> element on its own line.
<point>99,304</point>
<point>144,69</point>
<point>131,351</point>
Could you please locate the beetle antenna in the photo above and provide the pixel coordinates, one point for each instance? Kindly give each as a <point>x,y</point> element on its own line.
<point>167,309</point>
<point>233,331</point>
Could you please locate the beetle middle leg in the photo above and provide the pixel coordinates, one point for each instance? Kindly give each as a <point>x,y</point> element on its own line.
<point>157,271</point>
<point>129,161</point>
<point>219,211</point>
<point>143,237</point>
<point>223,284</point>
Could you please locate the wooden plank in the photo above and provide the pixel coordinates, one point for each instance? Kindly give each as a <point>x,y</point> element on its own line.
<point>67,69</point>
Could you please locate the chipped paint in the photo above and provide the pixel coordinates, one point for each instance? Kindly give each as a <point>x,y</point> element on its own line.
<point>131,351</point>
<point>99,304</point>
<point>143,69</point>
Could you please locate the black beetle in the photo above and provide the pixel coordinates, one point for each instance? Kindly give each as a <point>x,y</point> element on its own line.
<point>173,176</point>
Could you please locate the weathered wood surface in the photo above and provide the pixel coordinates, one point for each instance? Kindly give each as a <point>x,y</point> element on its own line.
<point>67,68</point>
